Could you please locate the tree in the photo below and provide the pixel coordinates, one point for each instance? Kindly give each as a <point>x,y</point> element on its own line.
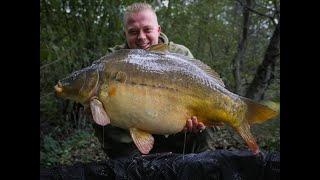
<point>238,57</point>
<point>265,72</point>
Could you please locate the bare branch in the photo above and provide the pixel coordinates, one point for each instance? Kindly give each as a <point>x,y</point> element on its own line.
<point>256,12</point>
<point>57,60</point>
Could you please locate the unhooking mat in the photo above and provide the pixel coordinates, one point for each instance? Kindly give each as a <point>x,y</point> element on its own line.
<point>213,165</point>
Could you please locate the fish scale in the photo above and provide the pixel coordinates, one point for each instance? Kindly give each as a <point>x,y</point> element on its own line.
<point>154,92</point>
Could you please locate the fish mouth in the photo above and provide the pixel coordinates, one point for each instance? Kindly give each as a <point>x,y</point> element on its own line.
<point>58,88</point>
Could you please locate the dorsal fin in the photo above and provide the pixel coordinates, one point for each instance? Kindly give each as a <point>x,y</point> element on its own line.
<point>163,48</point>
<point>208,70</point>
<point>159,48</point>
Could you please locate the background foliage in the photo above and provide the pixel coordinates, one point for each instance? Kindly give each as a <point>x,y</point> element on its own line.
<point>74,33</point>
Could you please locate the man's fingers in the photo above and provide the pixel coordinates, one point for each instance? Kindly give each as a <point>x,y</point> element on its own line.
<point>194,120</point>
<point>189,125</point>
<point>193,125</point>
<point>201,126</point>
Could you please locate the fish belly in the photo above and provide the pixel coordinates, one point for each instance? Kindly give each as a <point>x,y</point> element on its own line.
<point>152,109</point>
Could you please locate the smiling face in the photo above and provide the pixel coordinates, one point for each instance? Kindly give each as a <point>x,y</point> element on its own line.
<point>141,29</point>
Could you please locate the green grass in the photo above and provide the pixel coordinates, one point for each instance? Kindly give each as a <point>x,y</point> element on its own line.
<point>80,146</point>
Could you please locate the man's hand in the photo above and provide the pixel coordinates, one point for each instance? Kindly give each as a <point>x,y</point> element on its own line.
<point>193,125</point>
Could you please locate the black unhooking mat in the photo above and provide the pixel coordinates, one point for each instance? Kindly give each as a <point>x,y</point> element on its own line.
<point>215,164</point>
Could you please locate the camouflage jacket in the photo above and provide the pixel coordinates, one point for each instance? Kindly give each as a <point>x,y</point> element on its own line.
<point>117,142</point>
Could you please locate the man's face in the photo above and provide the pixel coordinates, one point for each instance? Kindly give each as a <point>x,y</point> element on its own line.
<point>141,29</point>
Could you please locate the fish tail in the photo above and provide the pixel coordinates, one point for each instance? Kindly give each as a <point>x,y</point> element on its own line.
<point>256,112</point>
<point>244,131</point>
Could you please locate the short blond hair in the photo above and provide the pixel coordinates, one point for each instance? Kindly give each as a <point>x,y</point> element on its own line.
<point>137,7</point>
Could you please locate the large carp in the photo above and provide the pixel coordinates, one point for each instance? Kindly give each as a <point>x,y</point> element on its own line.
<point>154,92</point>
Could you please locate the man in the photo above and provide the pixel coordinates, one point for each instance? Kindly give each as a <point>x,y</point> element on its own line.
<point>141,30</point>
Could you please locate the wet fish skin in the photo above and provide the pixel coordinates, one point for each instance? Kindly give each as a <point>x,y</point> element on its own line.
<point>155,92</point>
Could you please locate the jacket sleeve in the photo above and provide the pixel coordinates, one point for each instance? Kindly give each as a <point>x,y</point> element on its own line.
<point>178,48</point>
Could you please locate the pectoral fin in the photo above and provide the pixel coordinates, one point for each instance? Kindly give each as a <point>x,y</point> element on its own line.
<point>98,113</point>
<point>143,140</point>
